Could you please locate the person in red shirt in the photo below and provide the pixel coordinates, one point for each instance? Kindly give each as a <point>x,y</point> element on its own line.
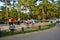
<point>11,21</point>
<point>11,26</point>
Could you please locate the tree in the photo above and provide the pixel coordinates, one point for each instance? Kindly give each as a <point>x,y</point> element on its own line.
<point>58,8</point>
<point>6,10</point>
<point>26,4</point>
<point>0,16</point>
<point>47,8</point>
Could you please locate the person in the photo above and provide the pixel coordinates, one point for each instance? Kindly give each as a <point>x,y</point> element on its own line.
<point>27,22</point>
<point>12,28</point>
<point>33,22</point>
<point>11,21</point>
<point>18,21</point>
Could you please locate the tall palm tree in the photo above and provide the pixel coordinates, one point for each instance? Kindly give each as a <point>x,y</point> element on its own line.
<point>6,10</point>
<point>47,8</point>
<point>43,7</point>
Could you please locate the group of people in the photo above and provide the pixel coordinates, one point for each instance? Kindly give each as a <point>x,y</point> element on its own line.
<point>12,20</point>
<point>28,21</point>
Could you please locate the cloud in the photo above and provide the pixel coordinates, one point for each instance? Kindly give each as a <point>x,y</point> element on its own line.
<point>55,0</point>
<point>1,4</point>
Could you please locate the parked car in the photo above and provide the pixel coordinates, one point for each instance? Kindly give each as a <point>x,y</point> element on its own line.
<point>58,20</point>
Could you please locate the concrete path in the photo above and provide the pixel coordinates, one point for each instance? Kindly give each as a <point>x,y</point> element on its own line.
<point>6,27</point>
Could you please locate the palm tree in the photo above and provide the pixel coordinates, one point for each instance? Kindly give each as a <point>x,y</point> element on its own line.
<point>58,6</point>
<point>26,4</point>
<point>6,10</point>
<point>47,8</point>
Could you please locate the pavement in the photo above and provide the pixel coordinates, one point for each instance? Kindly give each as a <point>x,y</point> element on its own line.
<point>6,26</point>
<point>49,34</point>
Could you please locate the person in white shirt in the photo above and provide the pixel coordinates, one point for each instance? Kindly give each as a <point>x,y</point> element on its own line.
<point>18,21</point>
<point>12,28</point>
<point>33,22</point>
<point>27,22</point>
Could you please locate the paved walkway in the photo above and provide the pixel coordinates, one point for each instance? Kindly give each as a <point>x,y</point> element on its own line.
<point>6,27</point>
<point>50,34</point>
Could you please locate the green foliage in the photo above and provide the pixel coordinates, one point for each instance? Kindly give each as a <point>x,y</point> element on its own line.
<point>49,10</point>
<point>25,2</point>
<point>0,15</point>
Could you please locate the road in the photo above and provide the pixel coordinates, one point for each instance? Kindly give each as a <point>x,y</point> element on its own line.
<point>49,34</point>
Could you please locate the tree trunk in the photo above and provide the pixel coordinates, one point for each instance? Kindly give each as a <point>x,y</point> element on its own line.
<point>6,10</point>
<point>43,14</point>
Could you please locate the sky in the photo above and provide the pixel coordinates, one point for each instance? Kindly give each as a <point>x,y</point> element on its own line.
<point>38,2</point>
<point>55,0</point>
<point>25,11</point>
<point>2,4</point>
